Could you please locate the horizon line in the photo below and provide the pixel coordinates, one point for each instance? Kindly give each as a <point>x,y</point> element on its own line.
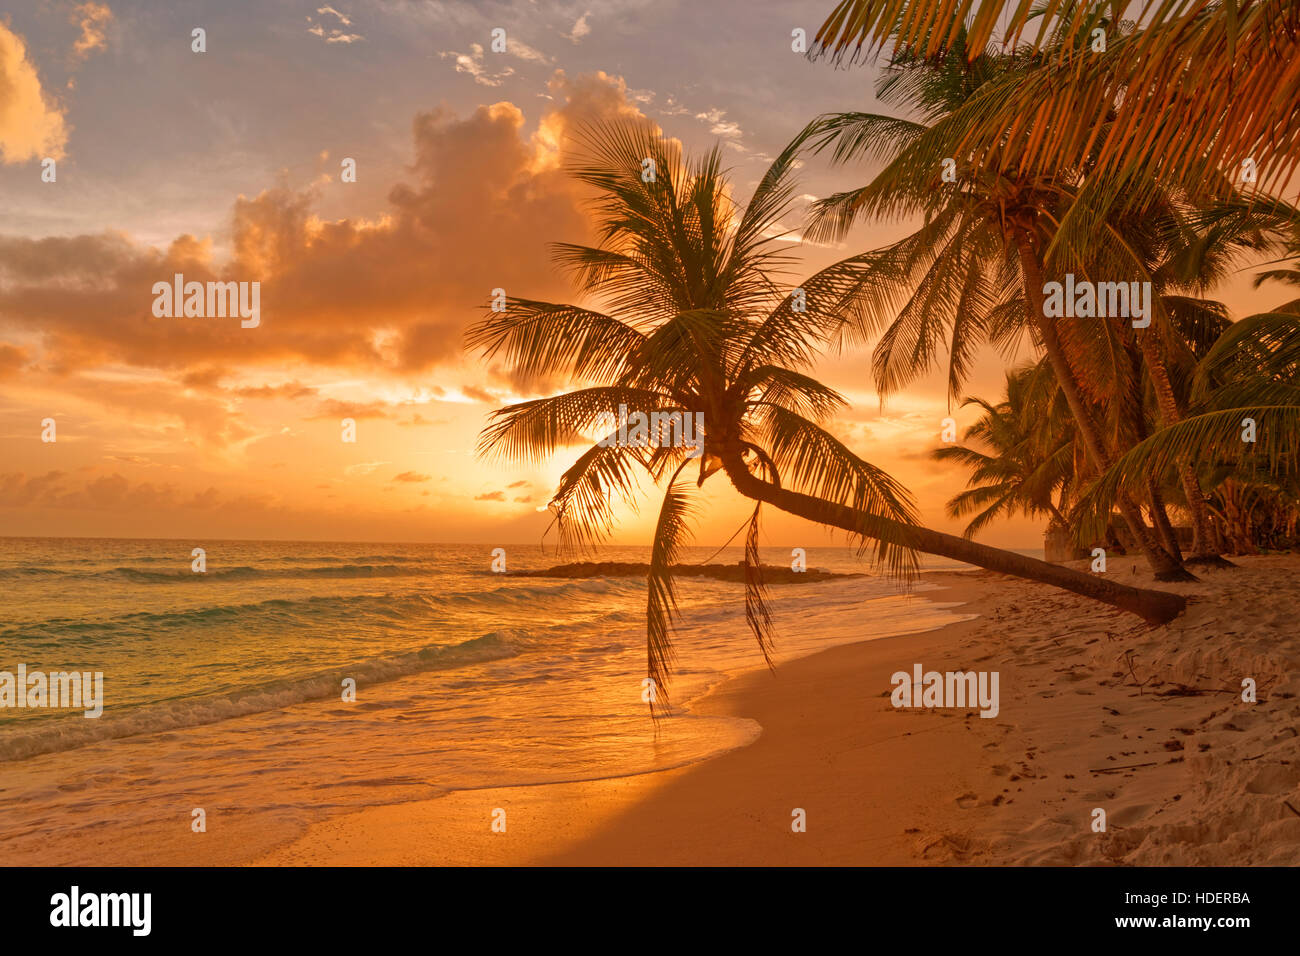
<point>55,537</point>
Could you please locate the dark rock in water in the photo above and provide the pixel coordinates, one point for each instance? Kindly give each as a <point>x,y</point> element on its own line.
<point>772,574</point>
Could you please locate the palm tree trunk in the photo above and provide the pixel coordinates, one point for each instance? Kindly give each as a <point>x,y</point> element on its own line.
<point>1160,517</point>
<point>1203,548</point>
<point>1154,607</point>
<point>1238,518</point>
<point>1155,498</point>
<point>1164,565</point>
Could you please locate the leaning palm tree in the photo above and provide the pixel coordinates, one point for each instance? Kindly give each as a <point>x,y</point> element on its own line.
<point>698,319</point>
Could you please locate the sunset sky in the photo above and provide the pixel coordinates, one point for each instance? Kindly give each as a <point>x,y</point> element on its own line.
<point>226,164</point>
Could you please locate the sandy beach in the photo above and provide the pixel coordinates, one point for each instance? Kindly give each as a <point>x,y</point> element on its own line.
<point>1097,711</point>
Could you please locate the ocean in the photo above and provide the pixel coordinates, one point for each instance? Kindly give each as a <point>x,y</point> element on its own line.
<point>224,688</point>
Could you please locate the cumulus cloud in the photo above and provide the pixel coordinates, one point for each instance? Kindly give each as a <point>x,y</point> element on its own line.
<point>391,293</point>
<point>31,123</point>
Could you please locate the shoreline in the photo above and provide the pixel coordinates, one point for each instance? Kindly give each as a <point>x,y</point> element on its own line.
<point>1098,711</point>
<point>264,778</point>
<point>547,822</point>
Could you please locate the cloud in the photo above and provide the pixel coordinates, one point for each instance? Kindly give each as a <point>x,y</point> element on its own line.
<point>472,64</point>
<point>31,124</point>
<point>672,107</point>
<point>475,62</point>
<point>718,124</point>
<point>418,420</point>
<point>412,476</point>
<point>107,492</point>
<point>331,33</point>
<point>93,19</point>
<point>491,496</point>
<point>334,409</point>
<point>517,484</point>
<point>392,293</point>
<point>289,390</point>
<point>12,359</point>
<point>580,29</point>
<point>116,496</point>
<point>330,10</point>
<point>524,52</point>
<point>198,420</point>
<point>364,467</point>
<point>478,394</point>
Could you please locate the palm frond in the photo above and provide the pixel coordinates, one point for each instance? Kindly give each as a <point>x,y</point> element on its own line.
<point>1211,437</point>
<point>671,530</point>
<point>533,430</point>
<point>1190,91</point>
<point>584,503</point>
<point>542,338</point>
<point>757,614</point>
<point>811,460</point>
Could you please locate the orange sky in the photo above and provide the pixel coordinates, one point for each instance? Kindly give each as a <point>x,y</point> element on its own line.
<point>226,165</point>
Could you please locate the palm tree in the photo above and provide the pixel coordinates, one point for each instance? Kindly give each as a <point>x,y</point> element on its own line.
<point>1028,447</point>
<point>1143,115</point>
<point>1198,88</point>
<point>699,320</point>
<point>974,271</point>
<point>1186,250</point>
<point>1244,424</point>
